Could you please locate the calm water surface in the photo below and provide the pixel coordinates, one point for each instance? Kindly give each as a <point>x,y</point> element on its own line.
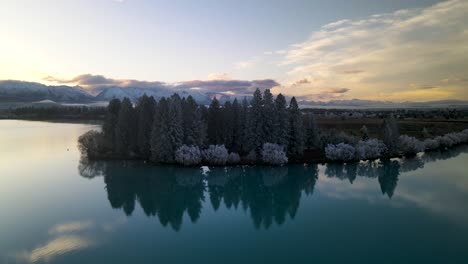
<point>58,208</point>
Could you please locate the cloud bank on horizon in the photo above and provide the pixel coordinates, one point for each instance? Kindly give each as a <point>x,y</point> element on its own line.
<point>412,54</point>
<point>416,54</point>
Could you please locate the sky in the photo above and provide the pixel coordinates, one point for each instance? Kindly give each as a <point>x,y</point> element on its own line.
<point>324,50</point>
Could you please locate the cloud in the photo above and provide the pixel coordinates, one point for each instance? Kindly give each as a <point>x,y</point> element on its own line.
<point>378,57</point>
<point>351,71</point>
<point>217,85</point>
<point>247,63</point>
<point>85,80</point>
<point>219,76</point>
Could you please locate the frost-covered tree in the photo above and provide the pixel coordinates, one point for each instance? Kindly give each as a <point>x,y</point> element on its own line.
<point>296,130</point>
<point>281,130</point>
<point>233,158</point>
<point>340,152</point>
<point>144,109</point>
<point>175,129</point>
<point>255,133</point>
<point>370,149</point>
<point>188,155</point>
<point>432,143</point>
<point>364,133</point>
<point>391,134</point>
<point>410,145</point>
<point>215,155</point>
<point>193,124</point>
<point>126,128</point>
<point>274,154</point>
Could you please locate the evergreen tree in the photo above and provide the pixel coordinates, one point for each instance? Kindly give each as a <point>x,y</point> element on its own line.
<point>364,133</point>
<point>126,128</point>
<point>296,130</point>
<point>175,128</point>
<point>110,123</point>
<point>236,126</point>
<point>160,142</point>
<point>269,114</point>
<point>214,121</point>
<point>255,131</point>
<point>145,113</point>
<point>227,125</point>
<point>312,139</point>
<point>391,134</point>
<point>194,126</point>
<point>281,121</point>
<point>243,128</point>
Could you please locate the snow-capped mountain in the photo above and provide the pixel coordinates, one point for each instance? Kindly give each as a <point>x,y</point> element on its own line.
<point>18,91</point>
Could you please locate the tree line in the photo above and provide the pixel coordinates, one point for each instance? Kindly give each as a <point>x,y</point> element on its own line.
<point>178,129</point>
<point>264,129</point>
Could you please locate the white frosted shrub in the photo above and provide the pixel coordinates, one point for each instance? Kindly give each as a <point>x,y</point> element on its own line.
<point>215,154</point>
<point>233,158</point>
<point>188,155</point>
<point>340,152</point>
<point>432,143</point>
<point>409,145</point>
<point>370,149</point>
<point>273,154</point>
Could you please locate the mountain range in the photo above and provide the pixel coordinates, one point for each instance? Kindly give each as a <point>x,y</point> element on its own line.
<point>20,91</point>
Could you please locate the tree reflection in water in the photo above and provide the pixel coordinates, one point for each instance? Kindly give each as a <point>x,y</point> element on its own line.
<point>269,194</point>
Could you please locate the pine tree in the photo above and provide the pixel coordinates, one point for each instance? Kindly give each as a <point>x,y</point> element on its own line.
<point>214,121</point>
<point>391,134</point>
<point>269,114</point>
<point>296,130</point>
<point>110,123</point>
<point>312,139</point>
<point>236,126</point>
<point>160,144</point>
<point>175,128</point>
<point>255,122</point>
<point>244,130</point>
<point>145,113</point>
<point>364,133</point>
<point>281,121</point>
<point>126,129</point>
<point>194,126</point>
<point>227,125</point>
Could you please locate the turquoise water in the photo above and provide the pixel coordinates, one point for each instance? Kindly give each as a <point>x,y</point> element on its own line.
<point>58,208</point>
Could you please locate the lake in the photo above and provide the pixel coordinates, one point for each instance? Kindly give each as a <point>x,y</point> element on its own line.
<point>59,208</point>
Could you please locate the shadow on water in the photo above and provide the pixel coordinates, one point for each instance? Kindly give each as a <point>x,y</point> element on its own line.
<point>269,194</point>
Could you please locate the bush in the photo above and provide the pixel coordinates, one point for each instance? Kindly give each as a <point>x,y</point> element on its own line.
<point>188,155</point>
<point>432,143</point>
<point>215,154</point>
<point>274,154</point>
<point>370,149</point>
<point>410,145</point>
<point>251,157</point>
<point>91,143</point>
<point>233,158</point>
<point>340,152</point>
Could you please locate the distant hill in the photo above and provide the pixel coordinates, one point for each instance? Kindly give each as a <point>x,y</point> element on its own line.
<point>18,91</point>
<point>12,91</point>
